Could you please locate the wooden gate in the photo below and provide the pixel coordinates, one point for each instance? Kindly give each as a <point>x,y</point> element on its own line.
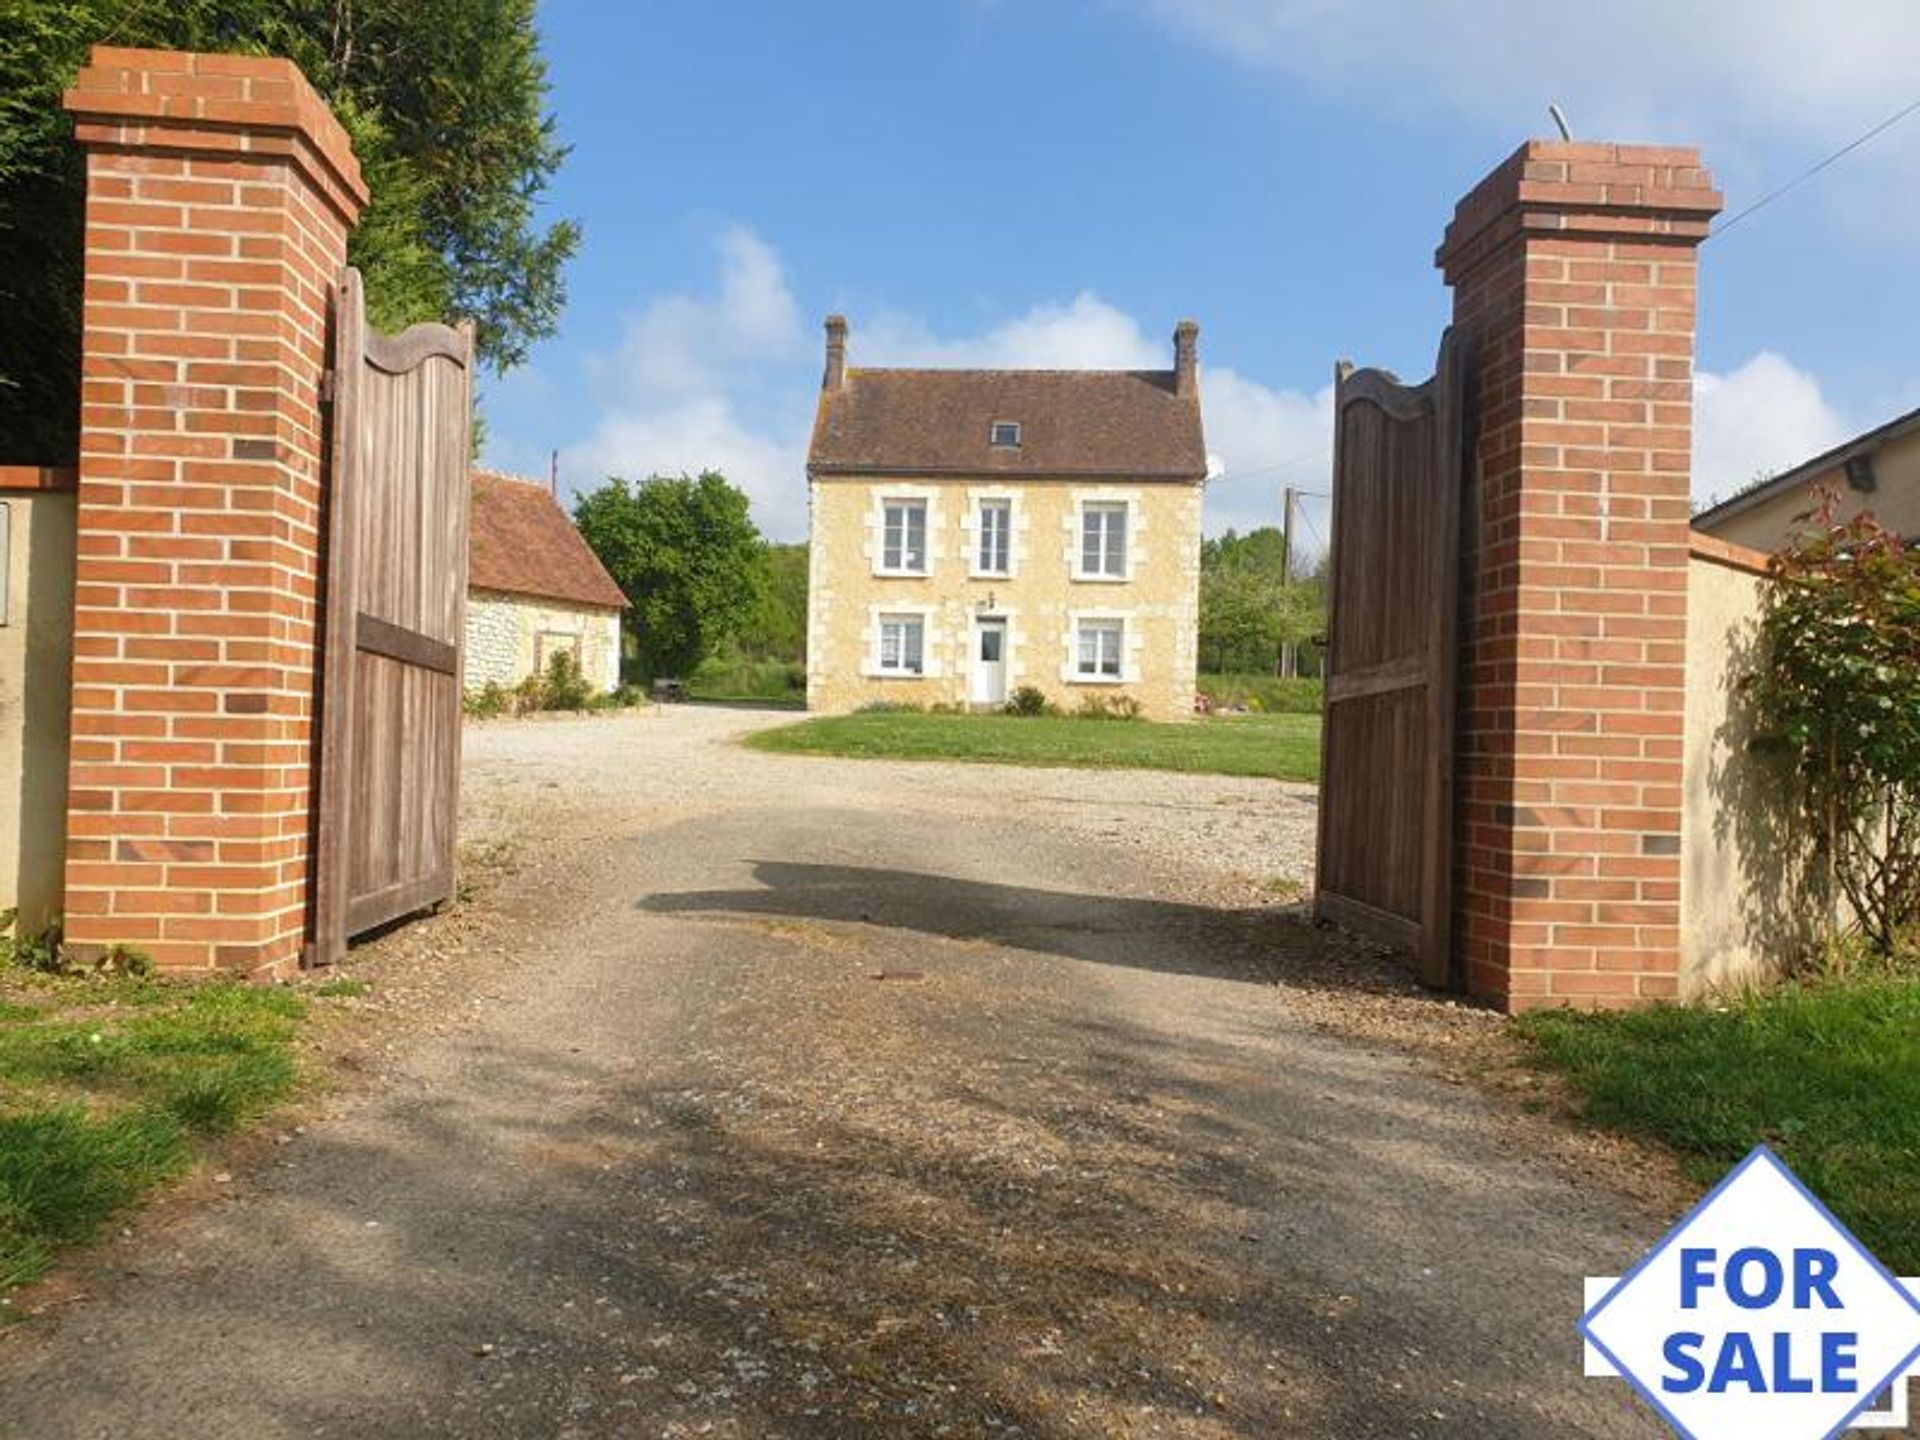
<point>1386,796</point>
<point>395,607</point>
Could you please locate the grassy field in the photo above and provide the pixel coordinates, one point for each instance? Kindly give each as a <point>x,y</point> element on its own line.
<point>1267,693</point>
<point>108,1087</point>
<point>1281,747</point>
<point>735,679</point>
<point>1827,1074</point>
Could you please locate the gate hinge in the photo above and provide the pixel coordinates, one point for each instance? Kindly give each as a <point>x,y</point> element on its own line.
<point>326,386</point>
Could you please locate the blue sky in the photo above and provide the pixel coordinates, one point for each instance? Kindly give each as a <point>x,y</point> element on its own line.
<point>1056,182</point>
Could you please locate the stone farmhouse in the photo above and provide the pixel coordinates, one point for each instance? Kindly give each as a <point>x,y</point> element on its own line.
<point>976,531</point>
<point>1877,471</point>
<point>534,587</point>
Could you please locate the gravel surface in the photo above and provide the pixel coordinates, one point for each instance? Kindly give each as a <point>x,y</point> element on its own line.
<point>752,1095</point>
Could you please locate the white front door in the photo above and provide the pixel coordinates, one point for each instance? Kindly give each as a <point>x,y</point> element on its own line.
<point>990,662</point>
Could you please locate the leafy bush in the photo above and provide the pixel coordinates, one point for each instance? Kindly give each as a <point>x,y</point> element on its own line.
<point>734,676</point>
<point>1263,694</point>
<point>564,687</point>
<point>1839,690</point>
<point>1108,707</point>
<point>1029,700</point>
<point>487,701</point>
<point>40,953</point>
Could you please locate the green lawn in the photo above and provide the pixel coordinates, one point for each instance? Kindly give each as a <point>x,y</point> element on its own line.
<point>1828,1074</point>
<point>1282,747</point>
<point>107,1088</point>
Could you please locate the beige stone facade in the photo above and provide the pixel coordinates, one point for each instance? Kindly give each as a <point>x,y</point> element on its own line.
<point>510,637</point>
<point>1043,606</point>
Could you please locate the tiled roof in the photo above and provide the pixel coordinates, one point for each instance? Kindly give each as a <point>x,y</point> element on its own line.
<point>524,544</point>
<point>1118,423</point>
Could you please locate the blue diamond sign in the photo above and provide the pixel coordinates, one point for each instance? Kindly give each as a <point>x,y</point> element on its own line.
<point>1759,1317</point>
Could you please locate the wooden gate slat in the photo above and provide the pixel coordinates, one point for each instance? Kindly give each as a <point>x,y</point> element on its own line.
<point>1385,843</point>
<point>394,598</point>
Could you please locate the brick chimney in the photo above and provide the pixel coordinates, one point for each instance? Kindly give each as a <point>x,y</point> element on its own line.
<point>1186,339</point>
<point>836,376</point>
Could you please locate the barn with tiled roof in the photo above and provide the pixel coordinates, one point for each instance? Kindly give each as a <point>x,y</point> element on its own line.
<point>535,587</point>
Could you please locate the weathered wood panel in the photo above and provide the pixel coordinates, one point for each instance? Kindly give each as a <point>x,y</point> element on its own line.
<point>1386,800</point>
<point>395,599</point>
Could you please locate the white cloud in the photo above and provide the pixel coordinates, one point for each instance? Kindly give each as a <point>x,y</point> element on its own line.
<point>687,344</point>
<point>726,381</point>
<point>1762,86</point>
<point>698,383</point>
<point>1785,66</point>
<point>1086,333</point>
<point>1765,416</point>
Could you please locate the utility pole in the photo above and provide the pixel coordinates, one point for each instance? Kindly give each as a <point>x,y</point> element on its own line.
<point>1289,659</point>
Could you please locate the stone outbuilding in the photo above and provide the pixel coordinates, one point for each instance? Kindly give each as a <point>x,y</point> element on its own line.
<point>534,587</point>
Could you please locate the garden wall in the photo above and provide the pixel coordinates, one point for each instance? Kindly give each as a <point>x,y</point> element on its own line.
<point>36,676</point>
<point>1749,905</point>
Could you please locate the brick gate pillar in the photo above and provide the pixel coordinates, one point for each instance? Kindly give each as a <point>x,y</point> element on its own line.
<point>1573,276</point>
<point>220,191</point>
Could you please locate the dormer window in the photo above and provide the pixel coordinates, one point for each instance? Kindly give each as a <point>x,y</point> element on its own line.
<point>1006,435</point>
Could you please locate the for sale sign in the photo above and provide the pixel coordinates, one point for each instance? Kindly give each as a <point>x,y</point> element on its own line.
<point>1759,1317</point>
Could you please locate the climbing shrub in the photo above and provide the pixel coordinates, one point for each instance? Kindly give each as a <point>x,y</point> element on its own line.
<point>1839,690</point>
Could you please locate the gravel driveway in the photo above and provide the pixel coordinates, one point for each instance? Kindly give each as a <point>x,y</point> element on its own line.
<point>756,1095</point>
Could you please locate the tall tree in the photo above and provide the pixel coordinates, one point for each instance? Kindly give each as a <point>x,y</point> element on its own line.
<point>1248,610</point>
<point>445,104</point>
<point>688,556</point>
<point>777,629</point>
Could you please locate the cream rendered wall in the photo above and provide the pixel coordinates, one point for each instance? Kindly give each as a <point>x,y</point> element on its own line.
<point>1895,500</point>
<point>1749,905</point>
<point>36,681</point>
<point>1040,601</point>
<point>503,633</point>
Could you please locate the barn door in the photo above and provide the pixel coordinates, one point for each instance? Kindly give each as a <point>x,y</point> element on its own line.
<point>395,606</point>
<point>1386,798</point>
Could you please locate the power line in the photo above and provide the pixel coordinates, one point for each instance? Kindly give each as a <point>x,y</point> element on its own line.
<point>1813,170</point>
<point>1288,464</point>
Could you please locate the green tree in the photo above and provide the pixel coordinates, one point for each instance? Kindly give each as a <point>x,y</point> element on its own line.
<point>1248,610</point>
<point>445,104</point>
<point>689,558</point>
<point>777,628</point>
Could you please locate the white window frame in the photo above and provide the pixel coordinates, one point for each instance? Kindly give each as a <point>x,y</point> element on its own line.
<point>993,434</point>
<point>903,619</point>
<point>1132,645</point>
<point>907,505</point>
<point>1088,625</point>
<point>1001,506</point>
<point>1084,513</point>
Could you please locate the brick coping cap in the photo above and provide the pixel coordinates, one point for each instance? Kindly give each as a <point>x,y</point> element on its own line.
<point>216,104</point>
<point>1703,546</point>
<point>38,477</point>
<point>1650,194</point>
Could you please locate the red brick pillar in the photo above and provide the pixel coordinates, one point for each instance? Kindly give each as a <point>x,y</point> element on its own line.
<point>1573,272</point>
<point>220,191</point>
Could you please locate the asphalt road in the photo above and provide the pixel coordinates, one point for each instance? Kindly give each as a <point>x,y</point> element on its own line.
<point>812,1098</point>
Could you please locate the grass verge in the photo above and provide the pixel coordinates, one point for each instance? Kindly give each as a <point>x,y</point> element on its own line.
<point>1828,1074</point>
<point>1279,747</point>
<point>107,1088</point>
<point>1267,693</point>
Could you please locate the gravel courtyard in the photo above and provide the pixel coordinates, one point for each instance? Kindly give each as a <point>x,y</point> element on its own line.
<point>752,1095</point>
